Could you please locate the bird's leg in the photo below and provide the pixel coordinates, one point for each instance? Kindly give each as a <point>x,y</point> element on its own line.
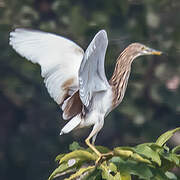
<point>94,139</point>
<point>92,146</point>
<point>100,155</point>
<point>104,154</point>
<point>93,135</point>
<point>94,149</point>
<point>97,127</point>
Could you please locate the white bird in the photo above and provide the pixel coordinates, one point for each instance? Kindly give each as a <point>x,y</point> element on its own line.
<point>77,80</point>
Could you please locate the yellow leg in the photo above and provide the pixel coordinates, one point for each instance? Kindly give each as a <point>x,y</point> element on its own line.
<point>92,147</point>
<point>97,127</point>
<point>100,155</point>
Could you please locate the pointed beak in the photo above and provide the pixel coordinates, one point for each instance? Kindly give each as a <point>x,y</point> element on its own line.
<point>154,52</point>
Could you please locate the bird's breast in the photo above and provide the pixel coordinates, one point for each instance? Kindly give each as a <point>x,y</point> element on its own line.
<point>102,102</point>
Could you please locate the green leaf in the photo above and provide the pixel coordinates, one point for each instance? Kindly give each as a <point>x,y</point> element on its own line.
<point>80,172</point>
<point>62,168</point>
<point>116,160</point>
<point>171,176</point>
<point>126,148</point>
<point>106,172</point>
<point>175,159</point>
<point>118,177</point>
<point>166,136</point>
<point>124,153</point>
<point>74,146</point>
<point>103,149</point>
<point>81,154</point>
<point>59,157</point>
<point>176,149</point>
<point>94,175</point>
<point>142,171</point>
<point>166,164</point>
<point>145,150</point>
<point>172,158</point>
<point>113,167</point>
<point>125,176</point>
<point>130,154</point>
<point>131,167</point>
<point>153,146</point>
<point>158,174</point>
<point>138,158</point>
<point>165,147</point>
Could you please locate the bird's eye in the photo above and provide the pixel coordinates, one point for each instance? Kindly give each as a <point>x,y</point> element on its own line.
<point>143,48</point>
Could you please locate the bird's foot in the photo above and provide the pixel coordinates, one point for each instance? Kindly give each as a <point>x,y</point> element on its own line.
<point>103,157</point>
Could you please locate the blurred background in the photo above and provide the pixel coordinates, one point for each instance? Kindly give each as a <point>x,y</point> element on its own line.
<point>30,121</point>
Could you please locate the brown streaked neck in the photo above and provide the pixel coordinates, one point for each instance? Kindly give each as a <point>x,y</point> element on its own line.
<point>120,75</point>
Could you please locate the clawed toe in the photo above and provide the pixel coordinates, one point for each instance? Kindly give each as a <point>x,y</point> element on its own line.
<point>103,157</point>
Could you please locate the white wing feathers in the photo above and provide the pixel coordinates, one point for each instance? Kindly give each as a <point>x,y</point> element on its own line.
<point>92,77</point>
<point>64,65</point>
<point>58,57</point>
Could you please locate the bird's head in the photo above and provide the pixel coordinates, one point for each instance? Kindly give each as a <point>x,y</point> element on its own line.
<point>138,49</point>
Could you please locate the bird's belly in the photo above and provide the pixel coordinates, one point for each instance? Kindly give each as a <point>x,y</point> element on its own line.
<point>101,106</point>
<point>103,102</point>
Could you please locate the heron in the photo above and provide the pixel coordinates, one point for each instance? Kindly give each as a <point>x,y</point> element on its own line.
<point>76,79</point>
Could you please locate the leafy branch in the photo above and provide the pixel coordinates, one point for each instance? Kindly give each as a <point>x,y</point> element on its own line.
<point>149,161</point>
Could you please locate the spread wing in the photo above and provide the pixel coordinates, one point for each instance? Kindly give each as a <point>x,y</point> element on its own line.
<point>92,77</point>
<point>58,57</point>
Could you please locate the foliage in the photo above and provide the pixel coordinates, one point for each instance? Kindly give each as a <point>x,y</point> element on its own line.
<point>149,161</point>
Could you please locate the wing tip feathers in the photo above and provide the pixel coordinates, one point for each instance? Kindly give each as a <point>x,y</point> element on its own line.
<point>102,33</point>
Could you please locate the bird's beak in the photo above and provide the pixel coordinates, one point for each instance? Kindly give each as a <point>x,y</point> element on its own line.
<point>154,52</point>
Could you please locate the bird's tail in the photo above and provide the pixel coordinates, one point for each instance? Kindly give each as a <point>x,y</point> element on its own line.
<point>72,124</point>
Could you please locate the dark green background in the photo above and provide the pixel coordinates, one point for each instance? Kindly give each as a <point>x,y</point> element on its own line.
<point>30,121</point>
